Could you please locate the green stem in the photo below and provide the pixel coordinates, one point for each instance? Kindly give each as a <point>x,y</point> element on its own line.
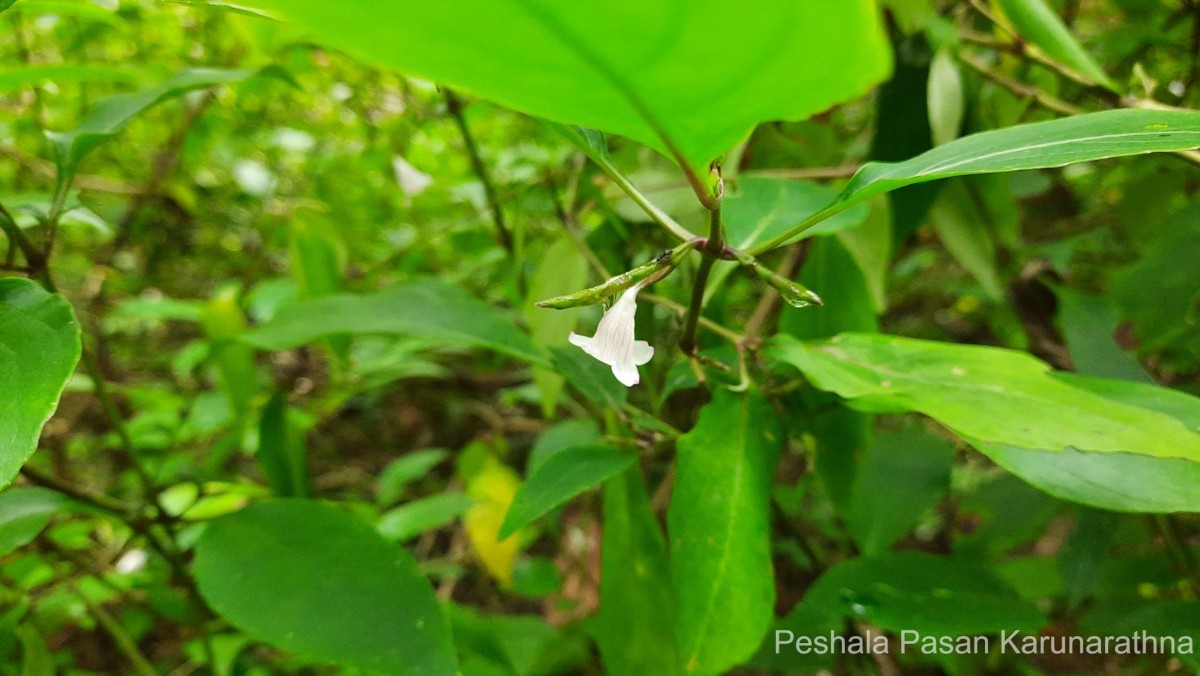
<point>121,638</point>
<point>503,233</point>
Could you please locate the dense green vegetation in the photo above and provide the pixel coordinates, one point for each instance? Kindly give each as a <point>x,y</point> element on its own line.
<point>637,338</point>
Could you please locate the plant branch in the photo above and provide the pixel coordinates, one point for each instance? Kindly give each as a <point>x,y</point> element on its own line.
<point>1021,89</point>
<point>455,106</point>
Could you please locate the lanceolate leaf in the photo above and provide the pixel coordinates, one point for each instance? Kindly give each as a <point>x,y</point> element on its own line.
<point>695,77</point>
<point>1056,143</point>
<point>424,308</point>
<point>1135,447</point>
<point>563,476</point>
<point>1035,21</point>
<point>310,578</point>
<point>39,347</point>
<point>720,534</point>
<point>634,627</point>
<point>109,116</point>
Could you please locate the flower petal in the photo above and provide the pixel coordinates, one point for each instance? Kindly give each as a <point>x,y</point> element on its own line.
<point>626,373</point>
<point>642,352</point>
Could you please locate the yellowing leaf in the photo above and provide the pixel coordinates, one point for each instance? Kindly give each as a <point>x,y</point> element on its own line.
<point>492,485</point>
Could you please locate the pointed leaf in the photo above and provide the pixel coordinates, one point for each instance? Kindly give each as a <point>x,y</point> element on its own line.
<point>1040,145</point>
<point>424,308</point>
<point>1107,443</point>
<point>634,627</point>
<point>39,347</point>
<point>561,477</point>
<point>110,115</point>
<point>1035,21</point>
<point>719,523</point>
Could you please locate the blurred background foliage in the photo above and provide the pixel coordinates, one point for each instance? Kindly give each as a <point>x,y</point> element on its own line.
<point>315,176</point>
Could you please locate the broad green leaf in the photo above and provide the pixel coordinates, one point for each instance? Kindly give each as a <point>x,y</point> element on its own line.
<point>902,475</point>
<point>421,516</point>
<point>29,76</point>
<point>1127,482</point>
<point>24,512</point>
<point>1107,443</point>
<point>307,577</point>
<point>695,77</point>
<point>405,469</point>
<point>563,271</point>
<point>635,626</point>
<point>1040,145</point>
<point>988,394</point>
<point>281,454</point>
<point>1035,21</point>
<point>110,115</point>
<point>919,592</point>
<point>563,476</point>
<point>423,308</point>
<point>39,346</point>
<point>720,531</point>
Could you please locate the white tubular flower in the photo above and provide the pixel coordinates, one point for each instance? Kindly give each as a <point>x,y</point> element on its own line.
<point>613,343</point>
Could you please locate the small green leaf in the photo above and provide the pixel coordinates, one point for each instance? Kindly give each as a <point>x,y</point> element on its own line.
<point>1040,145</point>
<point>423,308</point>
<point>110,115</point>
<point>307,577</point>
<point>405,469</point>
<point>39,347</point>
<point>561,477</point>
<point>662,74</point>
<point>1035,21</point>
<point>421,516</point>
<point>24,512</point>
<point>720,531</point>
